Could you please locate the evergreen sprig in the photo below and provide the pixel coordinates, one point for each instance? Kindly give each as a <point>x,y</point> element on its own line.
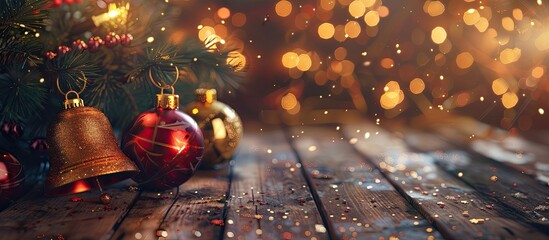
<point>24,14</point>
<point>22,94</point>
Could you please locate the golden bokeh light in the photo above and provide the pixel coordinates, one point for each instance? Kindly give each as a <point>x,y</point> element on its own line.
<point>482,24</point>
<point>417,86</point>
<point>289,101</point>
<point>340,53</point>
<point>538,72</point>
<point>371,18</point>
<point>508,24</point>
<point>434,8</point>
<point>387,63</point>
<point>393,95</point>
<point>357,8</point>
<point>517,14</point>
<point>464,60</point>
<point>290,59</point>
<point>542,41</point>
<point>223,13</point>
<point>304,62</point>
<point>369,3</point>
<point>326,30</point>
<point>352,29</point>
<point>239,19</point>
<point>205,32</point>
<point>471,16</point>
<point>438,35</point>
<point>509,100</point>
<point>327,4</point>
<point>283,8</point>
<point>509,55</point>
<point>500,86</point>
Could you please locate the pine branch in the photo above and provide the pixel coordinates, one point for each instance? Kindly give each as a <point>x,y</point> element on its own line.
<point>73,69</point>
<point>22,95</point>
<point>19,49</point>
<point>22,14</point>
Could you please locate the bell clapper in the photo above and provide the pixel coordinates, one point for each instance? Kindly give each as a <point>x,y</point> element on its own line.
<point>105,198</point>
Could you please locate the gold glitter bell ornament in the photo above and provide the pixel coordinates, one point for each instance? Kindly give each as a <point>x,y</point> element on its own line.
<point>83,151</point>
<point>220,125</point>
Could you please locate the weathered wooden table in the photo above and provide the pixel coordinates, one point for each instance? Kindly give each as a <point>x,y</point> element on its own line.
<point>453,179</point>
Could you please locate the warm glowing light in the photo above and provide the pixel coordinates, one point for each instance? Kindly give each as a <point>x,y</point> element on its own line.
<point>542,41</point>
<point>304,62</point>
<point>312,148</point>
<point>150,39</point>
<point>114,13</point>
<point>369,3</point>
<point>283,8</point>
<point>517,14</point>
<point>434,8</point>
<point>195,111</point>
<point>482,24</point>
<point>471,16</point>
<point>357,8</point>
<point>541,111</point>
<point>205,32</point>
<point>371,18</point>
<point>289,101</point>
<point>80,186</point>
<point>219,128</point>
<point>327,4</point>
<point>509,55</point>
<point>438,35</point>
<point>223,13</point>
<point>417,86</point>
<point>464,60</point>
<point>500,86</point>
<point>538,72</point>
<point>352,29</point>
<point>290,59</point>
<point>326,30</point>
<point>340,53</point>
<point>387,63</point>
<point>238,19</point>
<point>509,100</point>
<point>508,24</point>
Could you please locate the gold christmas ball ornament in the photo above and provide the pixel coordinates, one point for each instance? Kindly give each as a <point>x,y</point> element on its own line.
<point>83,151</point>
<point>220,125</point>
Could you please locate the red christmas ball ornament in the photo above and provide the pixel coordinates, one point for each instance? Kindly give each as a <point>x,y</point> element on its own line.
<point>126,39</point>
<point>165,143</point>
<point>111,40</point>
<point>11,179</point>
<point>79,44</point>
<point>57,3</point>
<point>62,50</point>
<point>94,43</point>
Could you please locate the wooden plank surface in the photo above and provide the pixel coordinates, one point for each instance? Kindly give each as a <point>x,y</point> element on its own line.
<point>357,199</point>
<point>511,188</point>
<point>492,142</point>
<point>456,209</point>
<point>78,216</point>
<point>199,209</point>
<point>270,198</point>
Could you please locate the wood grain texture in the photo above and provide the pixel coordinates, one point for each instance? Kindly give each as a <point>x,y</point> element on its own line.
<point>79,216</point>
<point>356,198</point>
<point>509,187</point>
<point>201,202</point>
<point>503,146</point>
<point>270,198</point>
<point>456,209</point>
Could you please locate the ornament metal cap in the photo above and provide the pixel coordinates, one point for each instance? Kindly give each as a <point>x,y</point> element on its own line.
<point>169,101</point>
<point>204,95</point>
<point>73,102</point>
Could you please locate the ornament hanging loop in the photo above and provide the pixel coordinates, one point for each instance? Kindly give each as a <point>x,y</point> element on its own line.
<point>77,93</point>
<point>162,84</point>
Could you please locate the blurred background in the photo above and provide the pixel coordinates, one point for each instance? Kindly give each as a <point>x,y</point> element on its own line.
<point>331,60</point>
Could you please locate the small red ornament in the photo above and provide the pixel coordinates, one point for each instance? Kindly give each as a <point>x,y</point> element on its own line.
<point>57,3</point>
<point>11,179</point>
<point>165,143</point>
<point>126,39</point>
<point>62,50</point>
<point>50,55</point>
<point>39,144</point>
<point>79,44</point>
<point>94,43</point>
<point>12,129</point>
<point>111,40</point>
